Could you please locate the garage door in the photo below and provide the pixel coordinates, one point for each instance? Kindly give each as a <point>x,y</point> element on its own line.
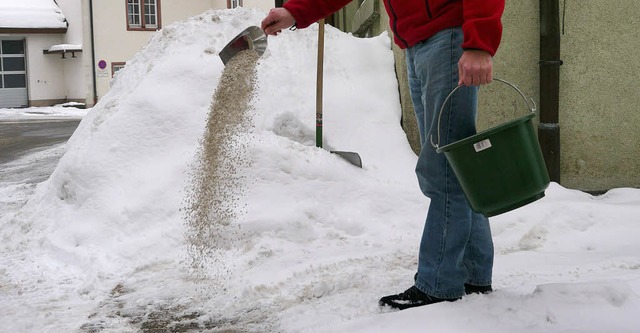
<point>13,74</point>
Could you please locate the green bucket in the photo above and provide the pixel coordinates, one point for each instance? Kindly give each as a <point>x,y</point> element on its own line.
<point>499,169</point>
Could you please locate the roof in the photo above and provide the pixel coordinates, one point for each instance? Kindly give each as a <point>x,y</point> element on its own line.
<point>31,16</point>
<point>64,49</point>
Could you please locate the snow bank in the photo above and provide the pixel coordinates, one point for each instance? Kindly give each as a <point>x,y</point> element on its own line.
<point>111,209</point>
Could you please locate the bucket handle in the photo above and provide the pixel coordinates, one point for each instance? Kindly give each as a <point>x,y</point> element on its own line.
<point>530,103</point>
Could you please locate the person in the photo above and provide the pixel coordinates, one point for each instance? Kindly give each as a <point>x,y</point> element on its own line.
<point>448,43</point>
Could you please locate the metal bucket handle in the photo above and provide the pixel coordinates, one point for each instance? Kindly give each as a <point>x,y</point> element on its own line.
<point>531,106</point>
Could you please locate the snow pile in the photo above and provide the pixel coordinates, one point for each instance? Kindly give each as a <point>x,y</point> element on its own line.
<point>102,245</point>
<point>31,14</point>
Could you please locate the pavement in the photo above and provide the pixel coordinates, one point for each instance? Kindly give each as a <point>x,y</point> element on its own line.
<point>29,152</point>
<point>18,137</point>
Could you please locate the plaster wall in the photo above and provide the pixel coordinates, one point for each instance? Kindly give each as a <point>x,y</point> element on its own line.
<point>110,29</point>
<point>260,4</point>
<point>72,10</point>
<point>173,11</point>
<point>517,62</point>
<point>75,78</point>
<point>52,79</point>
<point>87,64</point>
<point>113,43</point>
<point>599,139</point>
<point>599,99</point>
<point>46,80</point>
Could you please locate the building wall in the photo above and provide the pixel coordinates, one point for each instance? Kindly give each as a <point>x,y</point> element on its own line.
<point>173,11</point>
<point>599,99</point>
<point>52,79</point>
<point>261,4</point>
<point>110,28</point>
<point>46,78</point>
<point>599,118</point>
<point>109,31</point>
<point>87,65</point>
<point>599,136</point>
<point>75,79</point>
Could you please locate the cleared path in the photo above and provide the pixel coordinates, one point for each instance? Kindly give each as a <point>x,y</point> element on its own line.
<point>20,137</point>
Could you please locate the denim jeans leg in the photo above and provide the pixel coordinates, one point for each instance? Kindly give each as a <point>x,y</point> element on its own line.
<point>456,245</point>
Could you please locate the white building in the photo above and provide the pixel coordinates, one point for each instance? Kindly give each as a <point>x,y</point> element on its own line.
<point>56,51</point>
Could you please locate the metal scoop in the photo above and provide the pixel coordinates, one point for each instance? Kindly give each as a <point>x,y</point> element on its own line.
<point>251,38</point>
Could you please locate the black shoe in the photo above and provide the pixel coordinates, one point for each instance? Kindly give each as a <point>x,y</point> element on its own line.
<point>471,289</point>
<point>411,298</point>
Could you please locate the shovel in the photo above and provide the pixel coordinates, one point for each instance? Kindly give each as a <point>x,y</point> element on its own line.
<point>350,157</point>
<point>251,38</point>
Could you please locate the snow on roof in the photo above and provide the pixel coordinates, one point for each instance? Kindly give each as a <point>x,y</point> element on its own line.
<point>65,48</point>
<point>31,14</point>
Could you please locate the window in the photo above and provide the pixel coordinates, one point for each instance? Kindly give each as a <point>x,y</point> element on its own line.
<point>234,3</point>
<point>143,14</point>
<point>13,71</point>
<point>116,66</point>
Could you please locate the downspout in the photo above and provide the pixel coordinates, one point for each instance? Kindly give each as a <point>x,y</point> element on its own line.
<point>93,54</point>
<point>549,129</point>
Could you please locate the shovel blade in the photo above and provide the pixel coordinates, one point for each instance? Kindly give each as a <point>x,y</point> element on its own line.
<point>350,157</point>
<point>251,38</point>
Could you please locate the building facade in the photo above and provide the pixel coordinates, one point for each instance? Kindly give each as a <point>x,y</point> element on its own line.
<point>53,52</point>
<point>27,31</point>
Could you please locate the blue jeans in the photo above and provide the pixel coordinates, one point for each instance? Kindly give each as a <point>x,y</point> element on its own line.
<point>456,246</point>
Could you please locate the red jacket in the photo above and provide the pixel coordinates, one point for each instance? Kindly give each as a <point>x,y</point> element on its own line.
<point>413,21</point>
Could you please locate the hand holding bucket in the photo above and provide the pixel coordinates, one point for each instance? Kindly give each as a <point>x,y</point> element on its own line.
<point>499,169</point>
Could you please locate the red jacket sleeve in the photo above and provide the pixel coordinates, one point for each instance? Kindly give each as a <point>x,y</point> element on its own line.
<point>482,25</point>
<point>307,12</point>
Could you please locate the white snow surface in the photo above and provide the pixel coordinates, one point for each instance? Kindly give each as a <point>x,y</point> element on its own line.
<point>31,14</point>
<point>100,246</point>
<point>65,47</point>
<point>67,110</point>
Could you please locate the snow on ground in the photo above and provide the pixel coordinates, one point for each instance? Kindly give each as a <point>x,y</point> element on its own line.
<point>62,111</point>
<point>100,246</point>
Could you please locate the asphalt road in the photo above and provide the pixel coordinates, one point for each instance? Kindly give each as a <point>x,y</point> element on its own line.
<point>20,137</point>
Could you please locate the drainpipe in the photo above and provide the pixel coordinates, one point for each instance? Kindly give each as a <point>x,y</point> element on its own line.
<point>549,129</point>
<point>93,54</point>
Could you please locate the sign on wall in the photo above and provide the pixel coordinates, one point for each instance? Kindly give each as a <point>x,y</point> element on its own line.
<point>102,69</point>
